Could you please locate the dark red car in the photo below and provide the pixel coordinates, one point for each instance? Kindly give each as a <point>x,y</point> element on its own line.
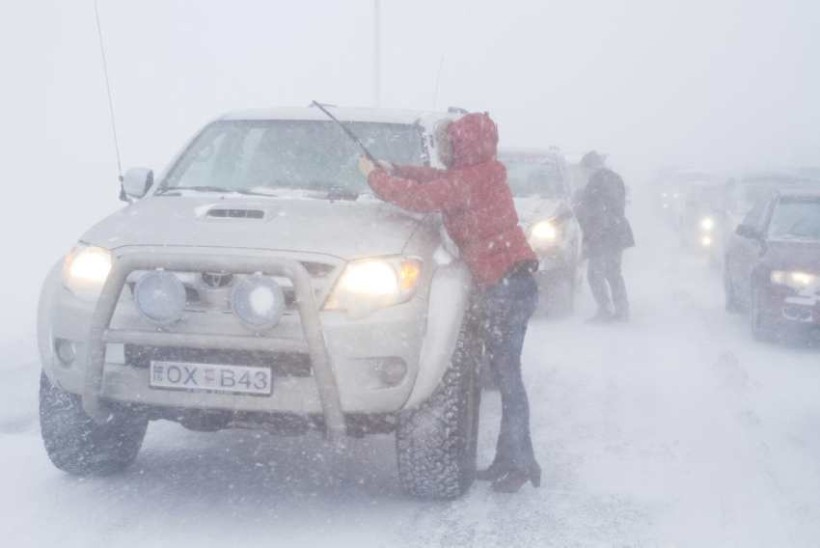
<point>772,267</point>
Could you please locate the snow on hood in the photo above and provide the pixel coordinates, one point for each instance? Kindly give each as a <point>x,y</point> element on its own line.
<point>793,255</point>
<point>342,229</point>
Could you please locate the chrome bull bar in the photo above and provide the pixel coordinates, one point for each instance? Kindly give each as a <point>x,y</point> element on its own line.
<point>313,344</point>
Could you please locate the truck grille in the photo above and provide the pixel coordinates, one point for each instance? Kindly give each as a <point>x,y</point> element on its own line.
<point>210,290</point>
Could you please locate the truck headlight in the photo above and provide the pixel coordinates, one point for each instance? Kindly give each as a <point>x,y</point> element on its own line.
<point>795,279</point>
<point>86,269</point>
<point>369,284</point>
<point>543,233</point>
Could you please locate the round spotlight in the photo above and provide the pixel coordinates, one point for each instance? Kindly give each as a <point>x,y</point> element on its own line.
<point>258,302</point>
<point>160,297</point>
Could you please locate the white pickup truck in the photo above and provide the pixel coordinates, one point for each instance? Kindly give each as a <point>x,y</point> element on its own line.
<point>258,283</point>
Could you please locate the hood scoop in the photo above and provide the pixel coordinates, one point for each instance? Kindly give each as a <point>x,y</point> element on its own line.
<point>234,213</point>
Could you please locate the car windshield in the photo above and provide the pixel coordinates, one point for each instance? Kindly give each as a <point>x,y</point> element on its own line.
<point>535,178</point>
<point>796,219</point>
<point>759,189</point>
<point>266,156</point>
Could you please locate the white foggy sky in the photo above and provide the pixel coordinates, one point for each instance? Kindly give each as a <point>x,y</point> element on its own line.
<point>715,83</point>
<point>722,82</point>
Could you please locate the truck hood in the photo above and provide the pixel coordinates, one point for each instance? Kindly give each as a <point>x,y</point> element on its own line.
<point>793,255</point>
<point>344,229</point>
<point>532,210</point>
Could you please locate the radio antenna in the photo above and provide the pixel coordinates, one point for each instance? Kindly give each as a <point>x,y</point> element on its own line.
<point>108,90</point>
<point>438,82</point>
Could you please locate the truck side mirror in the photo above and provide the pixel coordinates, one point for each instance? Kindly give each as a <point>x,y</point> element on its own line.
<point>135,184</point>
<point>746,231</point>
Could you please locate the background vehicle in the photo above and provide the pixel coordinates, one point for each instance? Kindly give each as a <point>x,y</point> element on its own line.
<point>703,219</point>
<point>673,186</point>
<point>540,184</point>
<point>773,264</point>
<point>744,193</point>
<point>258,284</point>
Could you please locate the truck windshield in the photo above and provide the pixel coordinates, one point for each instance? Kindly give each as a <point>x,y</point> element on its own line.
<point>534,178</point>
<point>260,156</point>
<point>796,219</point>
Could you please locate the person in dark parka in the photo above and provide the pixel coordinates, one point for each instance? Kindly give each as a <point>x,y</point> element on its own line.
<point>601,213</point>
<point>477,210</point>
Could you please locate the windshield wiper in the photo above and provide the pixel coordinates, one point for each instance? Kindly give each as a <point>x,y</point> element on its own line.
<point>201,188</point>
<point>341,193</point>
<point>208,188</point>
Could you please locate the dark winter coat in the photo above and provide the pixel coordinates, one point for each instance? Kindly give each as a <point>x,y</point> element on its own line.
<point>473,197</point>
<point>601,213</point>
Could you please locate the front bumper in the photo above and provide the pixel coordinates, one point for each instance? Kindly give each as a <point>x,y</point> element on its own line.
<point>784,307</point>
<point>344,354</point>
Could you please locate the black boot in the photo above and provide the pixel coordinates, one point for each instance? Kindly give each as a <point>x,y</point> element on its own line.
<point>493,472</point>
<point>602,316</point>
<point>513,480</point>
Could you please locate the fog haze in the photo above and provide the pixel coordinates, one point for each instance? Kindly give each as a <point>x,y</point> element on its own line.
<point>722,85</point>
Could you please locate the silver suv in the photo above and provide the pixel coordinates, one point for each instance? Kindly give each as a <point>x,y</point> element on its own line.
<point>540,182</point>
<point>259,284</point>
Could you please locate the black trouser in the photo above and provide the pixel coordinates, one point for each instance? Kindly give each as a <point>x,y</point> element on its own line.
<point>506,308</point>
<point>604,273</point>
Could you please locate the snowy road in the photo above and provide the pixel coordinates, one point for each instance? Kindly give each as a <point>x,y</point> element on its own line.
<point>675,430</point>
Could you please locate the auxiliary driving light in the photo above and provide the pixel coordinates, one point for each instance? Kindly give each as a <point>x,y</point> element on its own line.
<point>258,302</point>
<point>706,241</point>
<point>160,297</point>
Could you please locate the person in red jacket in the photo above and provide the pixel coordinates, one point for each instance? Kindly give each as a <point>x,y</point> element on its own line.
<point>477,209</point>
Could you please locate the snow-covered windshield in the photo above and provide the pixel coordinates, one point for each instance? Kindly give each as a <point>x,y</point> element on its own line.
<point>532,178</point>
<point>796,219</point>
<point>259,156</point>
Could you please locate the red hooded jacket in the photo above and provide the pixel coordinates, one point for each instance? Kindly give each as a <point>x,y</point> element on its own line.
<point>473,197</point>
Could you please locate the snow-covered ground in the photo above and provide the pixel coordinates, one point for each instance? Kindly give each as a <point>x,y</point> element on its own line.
<point>674,430</point>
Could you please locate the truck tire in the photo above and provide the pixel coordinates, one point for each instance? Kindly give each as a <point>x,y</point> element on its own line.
<point>436,443</point>
<point>78,445</point>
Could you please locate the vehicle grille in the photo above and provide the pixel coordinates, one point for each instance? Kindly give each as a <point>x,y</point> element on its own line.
<point>284,364</point>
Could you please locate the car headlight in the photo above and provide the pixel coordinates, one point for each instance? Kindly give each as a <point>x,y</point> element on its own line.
<point>543,234</point>
<point>86,269</point>
<point>707,224</point>
<point>370,284</point>
<point>795,279</point>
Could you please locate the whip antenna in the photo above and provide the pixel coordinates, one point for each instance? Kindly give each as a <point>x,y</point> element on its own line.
<point>108,90</point>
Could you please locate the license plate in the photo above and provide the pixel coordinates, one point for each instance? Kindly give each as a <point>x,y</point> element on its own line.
<point>207,377</point>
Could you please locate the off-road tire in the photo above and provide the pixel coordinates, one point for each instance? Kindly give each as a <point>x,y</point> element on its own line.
<point>436,443</point>
<point>78,445</point>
